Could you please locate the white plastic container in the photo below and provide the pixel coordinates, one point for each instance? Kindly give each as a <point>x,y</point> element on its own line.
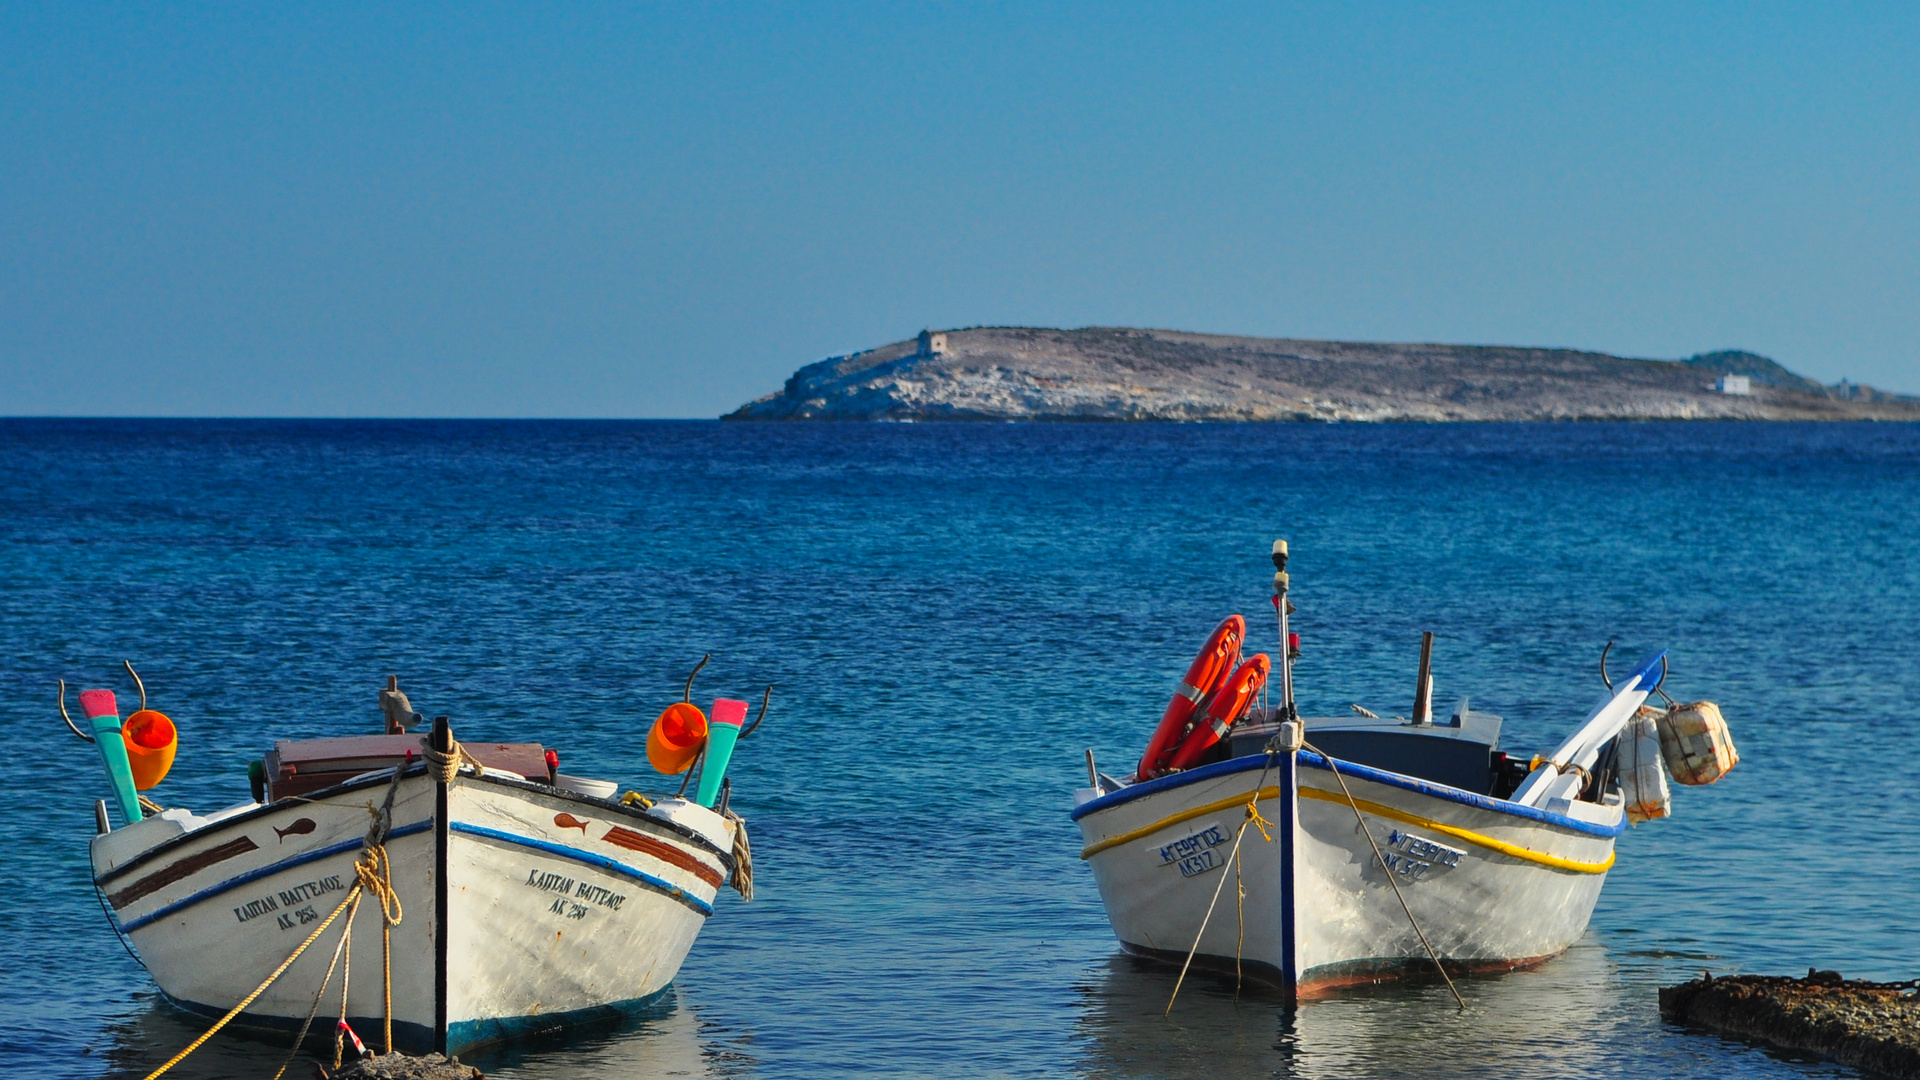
<point>580,785</point>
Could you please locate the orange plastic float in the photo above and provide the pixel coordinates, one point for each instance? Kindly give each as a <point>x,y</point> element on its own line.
<point>1227,706</point>
<point>1204,676</point>
<point>676,738</point>
<point>151,741</point>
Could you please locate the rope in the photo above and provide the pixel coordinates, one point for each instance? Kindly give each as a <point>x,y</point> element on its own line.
<point>1253,815</point>
<point>318,995</point>
<point>372,871</point>
<point>352,894</point>
<point>346,982</point>
<point>742,858</point>
<point>1368,833</point>
<point>446,766</point>
<point>375,871</point>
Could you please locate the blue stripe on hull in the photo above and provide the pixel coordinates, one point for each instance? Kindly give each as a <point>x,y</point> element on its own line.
<point>1353,770</point>
<point>465,1035</point>
<point>591,859</point>
<point>269,870</point>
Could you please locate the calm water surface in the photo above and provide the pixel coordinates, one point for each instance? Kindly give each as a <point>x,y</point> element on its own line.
<point>950,614</point>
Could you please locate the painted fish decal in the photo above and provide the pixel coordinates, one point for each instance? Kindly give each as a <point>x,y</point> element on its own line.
<point>568,821</point>
<point>300,827</point>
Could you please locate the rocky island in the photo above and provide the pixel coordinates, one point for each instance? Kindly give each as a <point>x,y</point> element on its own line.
<point>1103,373</point>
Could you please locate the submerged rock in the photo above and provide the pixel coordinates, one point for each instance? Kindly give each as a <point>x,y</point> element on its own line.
<point>1872,1026</point>
<point>407,1067</point>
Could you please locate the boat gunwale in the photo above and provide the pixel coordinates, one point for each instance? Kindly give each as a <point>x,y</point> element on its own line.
<point>382,777</point>
<point>1414,784</point>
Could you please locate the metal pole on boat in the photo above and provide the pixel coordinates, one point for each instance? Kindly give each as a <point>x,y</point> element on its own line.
<point>1280,582</point>
<point>1423,692</point>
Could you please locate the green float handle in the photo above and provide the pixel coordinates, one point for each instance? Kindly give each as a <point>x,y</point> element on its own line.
<point>722,733</point>
<point>103,718</point>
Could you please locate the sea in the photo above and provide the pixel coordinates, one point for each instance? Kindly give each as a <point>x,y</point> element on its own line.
<point>949,616</point>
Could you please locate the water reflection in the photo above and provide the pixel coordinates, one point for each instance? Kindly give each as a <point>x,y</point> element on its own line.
<point>666,1039</point>
<point>1575,1015</point>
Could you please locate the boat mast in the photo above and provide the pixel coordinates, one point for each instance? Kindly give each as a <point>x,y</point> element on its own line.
<point>1280,605</point>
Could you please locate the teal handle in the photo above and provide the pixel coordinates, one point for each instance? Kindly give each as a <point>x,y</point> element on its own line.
<point>720,740</point>
<point>113,754</point>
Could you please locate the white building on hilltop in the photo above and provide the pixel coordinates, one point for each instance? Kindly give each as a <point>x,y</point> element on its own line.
<point>932,344</point>
<point>1739,385</point>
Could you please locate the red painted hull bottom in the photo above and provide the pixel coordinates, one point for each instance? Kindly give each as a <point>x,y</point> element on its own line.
<point>1326,982</point>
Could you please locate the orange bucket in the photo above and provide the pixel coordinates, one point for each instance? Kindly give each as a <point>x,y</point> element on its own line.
<point>151,740</point>
<point>676,738</point>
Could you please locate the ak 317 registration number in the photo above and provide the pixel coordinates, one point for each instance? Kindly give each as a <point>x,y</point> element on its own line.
<point>1194,853</point>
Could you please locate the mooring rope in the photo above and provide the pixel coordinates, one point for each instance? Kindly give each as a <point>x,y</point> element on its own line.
<point>372,872</point>
<point>352,894</point>
<point>1253,815</point>
<point>1368,833</point>
<point>318,996</point>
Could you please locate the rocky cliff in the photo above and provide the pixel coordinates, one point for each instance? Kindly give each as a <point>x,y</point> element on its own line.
<point>1100,373</point>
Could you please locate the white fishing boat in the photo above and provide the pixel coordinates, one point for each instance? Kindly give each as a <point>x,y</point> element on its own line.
<point>497,897</point>
<point>1382,846</point>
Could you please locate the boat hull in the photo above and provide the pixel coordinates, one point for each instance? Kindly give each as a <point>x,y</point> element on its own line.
<point>525,908</point>
<point>1494,886</point>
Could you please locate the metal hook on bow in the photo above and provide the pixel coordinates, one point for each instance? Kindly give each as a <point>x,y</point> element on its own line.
<point>1671,704</point>
<point>63,714</point>
<point>1603,664</point>
<point>687,694</point>
<point>762,716</point>
<point>142,687</point>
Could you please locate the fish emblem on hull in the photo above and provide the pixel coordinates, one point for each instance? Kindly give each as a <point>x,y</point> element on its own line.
<point>568,821</point>
<point>300,827</point>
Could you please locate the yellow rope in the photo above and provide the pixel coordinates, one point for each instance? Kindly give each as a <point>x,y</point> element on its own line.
<point>1253,815</point>
<point>374,873</point>
<point>352,894</point>
<point>375,870</point>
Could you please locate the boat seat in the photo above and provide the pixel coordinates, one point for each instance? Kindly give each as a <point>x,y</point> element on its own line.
<point>296,767</point>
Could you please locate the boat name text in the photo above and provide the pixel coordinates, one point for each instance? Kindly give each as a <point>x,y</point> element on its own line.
<point>292,899</point>
<point>1193,853</point>
<point>572,892</point>
<point>1413,857</point>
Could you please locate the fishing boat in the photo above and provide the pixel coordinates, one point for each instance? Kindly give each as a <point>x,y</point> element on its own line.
<point>1371,847</point>
<point>460,894</point>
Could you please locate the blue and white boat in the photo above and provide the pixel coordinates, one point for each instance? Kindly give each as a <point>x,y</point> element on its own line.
<point>1371,833</point>
<point>528,900</point>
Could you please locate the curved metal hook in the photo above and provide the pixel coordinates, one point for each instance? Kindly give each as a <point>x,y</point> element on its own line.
<point>63,714</point>
<point>1671,704</point>
<point>136,682</point>
<point>762,716</point>
<point>687,694</point>
<point>1603,664</point>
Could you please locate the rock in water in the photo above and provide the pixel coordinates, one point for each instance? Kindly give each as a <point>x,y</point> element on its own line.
<point>407,1067</point>
<point>1872,1026</point>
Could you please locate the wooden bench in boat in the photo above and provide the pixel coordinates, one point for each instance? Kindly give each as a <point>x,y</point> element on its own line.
<point>299,766</point>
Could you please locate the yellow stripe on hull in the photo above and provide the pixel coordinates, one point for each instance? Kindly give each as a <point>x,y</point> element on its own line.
<point>1377,809</point>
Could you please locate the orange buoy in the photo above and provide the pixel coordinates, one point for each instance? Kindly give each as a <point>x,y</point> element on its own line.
<point>1203,677</point>
<point>151,741</point>
<point>676,738</point>
<point>1227,706</point>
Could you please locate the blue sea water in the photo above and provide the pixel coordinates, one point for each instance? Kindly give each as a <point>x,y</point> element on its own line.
<point>949,615</point>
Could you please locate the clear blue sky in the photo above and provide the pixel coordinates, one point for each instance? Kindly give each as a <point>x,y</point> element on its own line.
<point>473,210</point>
